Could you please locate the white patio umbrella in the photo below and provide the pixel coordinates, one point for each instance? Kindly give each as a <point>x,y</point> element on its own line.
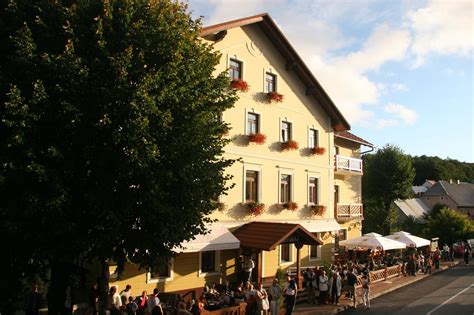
<point>373,242</point>
<point>408,239</point>
<point>372,234</point>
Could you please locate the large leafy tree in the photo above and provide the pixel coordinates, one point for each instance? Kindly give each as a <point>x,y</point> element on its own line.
<point>450,226</point>
<point>110,133</point>
<point>388,176</point>
<point>432,167</point>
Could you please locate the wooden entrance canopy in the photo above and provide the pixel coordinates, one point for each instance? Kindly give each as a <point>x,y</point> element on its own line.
<point>268,235</point>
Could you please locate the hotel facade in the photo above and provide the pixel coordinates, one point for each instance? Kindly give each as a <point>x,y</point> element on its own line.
<point>297,171</point>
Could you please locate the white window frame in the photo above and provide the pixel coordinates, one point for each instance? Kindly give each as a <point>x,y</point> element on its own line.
<point>291,173</point>
<point>256,168</point>
<point>292,256</point>
<point>309,137</point>
<point>242,62</point>
<point>292,128</point>
<point>149,279</point>
<point>308,176</point>
<point>260,120</point>
<point>216,263</point>
<point>318,250</point>
<point>270,71</point>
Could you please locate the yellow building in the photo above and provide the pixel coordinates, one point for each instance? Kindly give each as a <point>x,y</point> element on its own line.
<point>288,201</point>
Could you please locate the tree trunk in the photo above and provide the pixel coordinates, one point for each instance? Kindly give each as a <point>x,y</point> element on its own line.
<point>103,284</point>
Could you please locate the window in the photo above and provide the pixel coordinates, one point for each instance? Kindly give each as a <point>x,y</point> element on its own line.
<point>251,186</point>
<point>270,82</point>
<point>163,271</point>
<point>342,235</point>
<point>285,188</point>
<point>313,190</point>
<point>209,262</point>
<point>315,251</point>
<point>252,123</point>
<point>313,138</point>
<point>235,69</point>
<point>285,131</point>
<point>285,253</point>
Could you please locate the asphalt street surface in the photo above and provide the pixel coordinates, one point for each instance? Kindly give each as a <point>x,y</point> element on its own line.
<point>449,292</point>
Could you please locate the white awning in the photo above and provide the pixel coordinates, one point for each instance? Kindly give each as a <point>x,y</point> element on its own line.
<point>319,225</point>
<point>218,238</point>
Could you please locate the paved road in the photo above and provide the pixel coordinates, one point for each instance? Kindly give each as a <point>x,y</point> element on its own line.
<point>448,292</point>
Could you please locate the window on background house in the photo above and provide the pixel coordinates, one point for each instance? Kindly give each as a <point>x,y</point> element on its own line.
<point>162,270</point>
<point>251,186</point>
<point>285,253</point>
<point>208,261</point>
<point>270,82</point>
<point>285,188</point>
<point>313,190</point>
<point>285,131</point>
<point>253,123</point>
<point>313,138</point>
<point>235,69</point>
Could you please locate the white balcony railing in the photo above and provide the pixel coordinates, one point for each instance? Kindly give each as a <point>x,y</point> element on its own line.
<point>352,210</point>
<point>348,164</point>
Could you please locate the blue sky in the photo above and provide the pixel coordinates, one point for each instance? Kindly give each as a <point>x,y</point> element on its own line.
<point>401,71</point>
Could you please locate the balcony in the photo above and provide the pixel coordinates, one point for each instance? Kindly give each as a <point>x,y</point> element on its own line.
<point>348,165</point>
<point>349,211</point>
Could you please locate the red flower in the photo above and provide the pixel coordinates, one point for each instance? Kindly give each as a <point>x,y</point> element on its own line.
<point>275,97</point>
<point>254,208</point>
<point>290,145</point>
<point>240,85</point>
<point>318,150</point>
<point>318,209</point>
<point>290,205</point>
<point>258,138</point>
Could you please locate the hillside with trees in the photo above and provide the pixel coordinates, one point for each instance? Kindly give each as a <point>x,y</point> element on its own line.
<point>435,168</point>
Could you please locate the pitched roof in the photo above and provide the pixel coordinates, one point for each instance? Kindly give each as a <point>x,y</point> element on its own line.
<point>268,235</point>
<point>462,193</point>
<point>352,137</point>
<point>412,207</point>
<point>293,61</point>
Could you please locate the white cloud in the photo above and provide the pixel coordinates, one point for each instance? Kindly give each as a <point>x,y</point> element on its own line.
<point>401,113</point>
<point>386,123</point>
<point>443,27</point>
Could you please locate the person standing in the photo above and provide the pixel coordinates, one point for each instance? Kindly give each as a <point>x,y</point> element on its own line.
<point>466,255</point>
<point>290,297</point>
<point>33,301</point>
<point>323,287</point>
<point>275,295</point>
<point>94,299</point>
<point>310,286</point>
<point>366,291</point>
<point>335,285</point>
<point>262,300</point>
<point>351,284</point>
<point>248,267</point>
<point>127,292</point>
<point>437,257</point>
<point>142,303</point>
<point>153,303</point>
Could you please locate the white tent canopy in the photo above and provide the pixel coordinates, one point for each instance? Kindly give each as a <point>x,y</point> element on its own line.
<point>408,239</point>
<point>218,238</point>
<point>372,234</point>
<point>372,242</point>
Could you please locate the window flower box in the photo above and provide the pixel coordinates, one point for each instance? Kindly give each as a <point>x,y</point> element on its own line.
<point>290,206</point>
<point>289,145</point>
<point>258,138</point>
<point>274,97</point>
<point>318,151</point>
<point>240,85</point>
<point>318,209</point>
<point>254,208</point>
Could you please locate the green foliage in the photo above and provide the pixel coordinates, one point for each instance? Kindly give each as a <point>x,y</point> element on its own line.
<point>435,168</point>
<point>110,137</point>
<point>388,176</point>
<point>450,226</point>
<point>413,225</point>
